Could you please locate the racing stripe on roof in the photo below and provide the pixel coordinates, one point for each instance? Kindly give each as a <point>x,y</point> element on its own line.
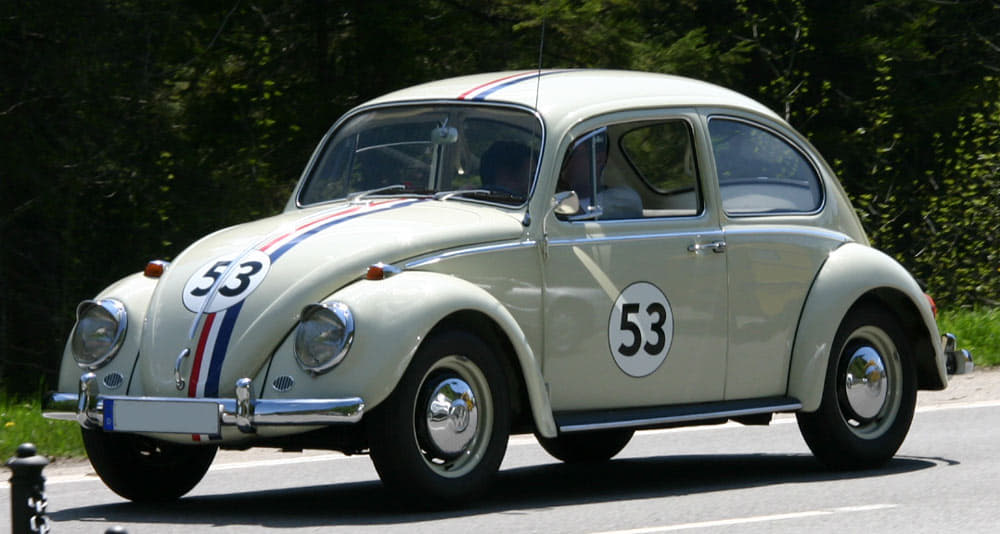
<point>480,92</point>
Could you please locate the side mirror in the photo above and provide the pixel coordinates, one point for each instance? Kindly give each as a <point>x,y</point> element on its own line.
<point>566,203</point>
<point>567,207</point>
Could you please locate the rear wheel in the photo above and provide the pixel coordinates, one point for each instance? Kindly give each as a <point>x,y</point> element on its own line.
<point>442,433</point>
<point>143,469</point>
<point>582,447</point>
<point>868,396</point>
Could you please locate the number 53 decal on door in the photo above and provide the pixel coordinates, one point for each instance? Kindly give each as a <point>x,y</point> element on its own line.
<point>640,329</point>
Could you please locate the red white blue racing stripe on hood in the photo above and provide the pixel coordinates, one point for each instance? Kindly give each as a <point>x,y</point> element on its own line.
<point>217,326</point>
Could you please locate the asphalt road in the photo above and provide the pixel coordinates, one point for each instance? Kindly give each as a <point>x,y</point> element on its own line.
<point>728,478</point>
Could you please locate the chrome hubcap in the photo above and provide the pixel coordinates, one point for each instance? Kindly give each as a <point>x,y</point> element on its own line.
<point>865,382</point>
<point>452,416</point>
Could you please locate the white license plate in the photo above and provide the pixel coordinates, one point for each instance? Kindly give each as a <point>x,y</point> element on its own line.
<point>168,416</point>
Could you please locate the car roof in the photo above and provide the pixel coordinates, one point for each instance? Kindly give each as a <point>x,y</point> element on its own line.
<point>568,93</point>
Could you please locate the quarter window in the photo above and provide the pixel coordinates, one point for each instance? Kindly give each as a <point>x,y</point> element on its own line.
<point>760,172</point>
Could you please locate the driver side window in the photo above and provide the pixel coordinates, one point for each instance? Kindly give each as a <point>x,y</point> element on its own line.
<point>634,170</point>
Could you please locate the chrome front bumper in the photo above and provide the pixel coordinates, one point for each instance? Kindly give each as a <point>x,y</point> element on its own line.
<point>195,416</point>
<point>957,361</point>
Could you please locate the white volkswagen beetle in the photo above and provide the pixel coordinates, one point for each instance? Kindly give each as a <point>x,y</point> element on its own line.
<point>573,253</point>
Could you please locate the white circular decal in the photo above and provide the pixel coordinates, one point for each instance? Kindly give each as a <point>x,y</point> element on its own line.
<point>640,329</point>
<point>237,281</point>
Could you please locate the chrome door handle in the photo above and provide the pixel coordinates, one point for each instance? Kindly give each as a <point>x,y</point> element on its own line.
<point>716,246</point>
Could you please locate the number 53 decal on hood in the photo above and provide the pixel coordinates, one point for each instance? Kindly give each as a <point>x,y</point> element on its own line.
<point>225,284</point>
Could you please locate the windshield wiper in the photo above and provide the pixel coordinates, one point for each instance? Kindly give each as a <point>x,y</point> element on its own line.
<point>445,195</point>
<point>360,195</point>
<point>498,195</point>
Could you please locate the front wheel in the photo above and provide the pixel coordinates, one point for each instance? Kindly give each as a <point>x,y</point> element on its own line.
<point>144,469</point>
<point>442,433</point>
<point>868,396</point>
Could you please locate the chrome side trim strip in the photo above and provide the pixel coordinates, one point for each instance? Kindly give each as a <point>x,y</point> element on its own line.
<point>482,249</point>
<point>632,237</point>
<point>778,230</point>
<point>683,418</point>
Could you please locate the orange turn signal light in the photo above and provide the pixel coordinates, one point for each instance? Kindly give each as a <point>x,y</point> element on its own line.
<point>381,271</point>
<point>155,268</point>
<point>375,272</point>
<point>930,300</point>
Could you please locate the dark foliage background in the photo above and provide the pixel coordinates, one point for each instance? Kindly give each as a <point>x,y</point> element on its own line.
<point>130,128</point>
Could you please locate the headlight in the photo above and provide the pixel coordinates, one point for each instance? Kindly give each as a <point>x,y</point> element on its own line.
<point>99,332</point>
<point>324,336</point>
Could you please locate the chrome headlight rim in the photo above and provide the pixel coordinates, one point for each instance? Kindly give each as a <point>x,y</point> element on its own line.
<point>116,311</point>
<point>335,311</point>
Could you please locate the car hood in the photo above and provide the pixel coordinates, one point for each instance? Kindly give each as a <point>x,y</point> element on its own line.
<point>224,304</point>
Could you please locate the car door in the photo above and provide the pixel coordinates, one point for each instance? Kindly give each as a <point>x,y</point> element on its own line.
<point>635,297</point>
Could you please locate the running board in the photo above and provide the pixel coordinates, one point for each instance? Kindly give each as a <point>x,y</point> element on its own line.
<point>673,415</point>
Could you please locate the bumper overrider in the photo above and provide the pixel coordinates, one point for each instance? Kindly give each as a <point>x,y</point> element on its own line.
<point>195,415</point>
<point>957,361</point>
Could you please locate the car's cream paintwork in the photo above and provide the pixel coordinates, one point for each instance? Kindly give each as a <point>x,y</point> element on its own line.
<point>771,268</point>
<point>501,263</point>
<point>413,303</point>
<point>850,272</point>
<point>308,272</point>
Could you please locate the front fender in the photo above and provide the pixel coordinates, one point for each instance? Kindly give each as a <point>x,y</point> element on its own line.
<point>392,318</point>
<point>851,272</point>
<point>134,292</point>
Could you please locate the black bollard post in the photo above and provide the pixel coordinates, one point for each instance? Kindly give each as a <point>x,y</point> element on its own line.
<point>27,491</point>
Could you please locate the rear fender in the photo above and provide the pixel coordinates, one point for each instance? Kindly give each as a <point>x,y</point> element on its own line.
<point>852,273</point>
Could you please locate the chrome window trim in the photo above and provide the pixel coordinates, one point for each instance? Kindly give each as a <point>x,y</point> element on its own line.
<point>468,251</point>
<point>306,174</point>
<point>792,143</point>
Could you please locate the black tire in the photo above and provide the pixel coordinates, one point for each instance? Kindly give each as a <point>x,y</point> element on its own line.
<point>146,470</point>
<point>861,423</point>
<point>454,457</point>
<point>587,447</point>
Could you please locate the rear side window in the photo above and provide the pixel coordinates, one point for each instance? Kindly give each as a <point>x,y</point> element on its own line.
<point>760,172</point>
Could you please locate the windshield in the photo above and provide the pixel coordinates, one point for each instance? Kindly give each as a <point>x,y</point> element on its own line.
<point>481,153</point>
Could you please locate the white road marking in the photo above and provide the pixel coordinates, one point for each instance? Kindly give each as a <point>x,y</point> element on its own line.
<point>749,519</point>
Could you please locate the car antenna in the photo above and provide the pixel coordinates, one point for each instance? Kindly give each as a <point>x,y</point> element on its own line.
<point>538,83</point>
<point>541,48</point>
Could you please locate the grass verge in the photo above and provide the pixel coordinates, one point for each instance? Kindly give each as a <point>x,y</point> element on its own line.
<point>977,330</point>
<point>21,421</point>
